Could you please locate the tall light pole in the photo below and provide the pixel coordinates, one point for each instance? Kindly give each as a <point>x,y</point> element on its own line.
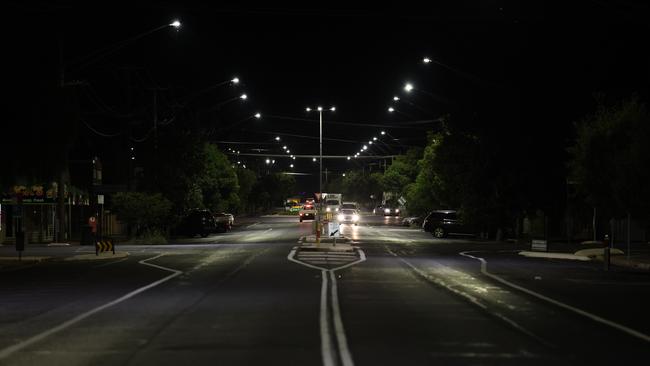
<point>88,59</point>
<point>320,143</point>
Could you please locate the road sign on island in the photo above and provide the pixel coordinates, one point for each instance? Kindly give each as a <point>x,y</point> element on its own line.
<point>333,229</point>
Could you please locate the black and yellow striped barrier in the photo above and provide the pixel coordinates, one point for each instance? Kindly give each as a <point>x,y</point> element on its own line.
<point>104,246</point>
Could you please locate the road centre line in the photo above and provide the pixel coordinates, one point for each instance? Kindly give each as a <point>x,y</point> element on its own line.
<point>6,352</point>
<point>342,340</point>
<point>326,343</point>
<point>589,315</point>
<point>328,353</point>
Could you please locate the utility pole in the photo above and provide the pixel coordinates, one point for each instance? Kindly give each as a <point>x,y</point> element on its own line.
<point>155,120</point>
<point>326,175</point>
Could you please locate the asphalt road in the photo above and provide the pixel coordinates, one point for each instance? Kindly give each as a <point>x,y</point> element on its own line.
<point>238,299</point>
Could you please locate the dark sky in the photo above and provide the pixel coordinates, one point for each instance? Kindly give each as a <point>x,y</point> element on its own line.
<point>538,63</point>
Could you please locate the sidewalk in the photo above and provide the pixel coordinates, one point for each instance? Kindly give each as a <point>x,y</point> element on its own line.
<point>639,258</point>
<point>35,253</point>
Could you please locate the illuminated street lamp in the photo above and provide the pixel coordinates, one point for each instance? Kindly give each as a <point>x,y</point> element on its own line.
<point>320,175</point>
<point>426,60</point>
<point>408,87</point>
<point>257,115</point>
<point>241,97</point>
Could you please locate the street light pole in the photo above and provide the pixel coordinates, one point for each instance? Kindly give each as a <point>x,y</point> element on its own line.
<point>320,143</point>
<point>320,173</point>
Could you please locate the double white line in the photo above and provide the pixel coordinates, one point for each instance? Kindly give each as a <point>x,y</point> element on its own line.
<point>329,352</point>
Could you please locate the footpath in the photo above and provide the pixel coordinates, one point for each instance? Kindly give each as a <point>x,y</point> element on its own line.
<point>638,257</point>
<point>60,252</point>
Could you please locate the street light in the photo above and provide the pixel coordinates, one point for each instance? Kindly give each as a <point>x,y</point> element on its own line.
<point>241,97</point>
<point>393,110</point>
<point>103,52</point>
<point>320,175</point>
<point>408,87</point>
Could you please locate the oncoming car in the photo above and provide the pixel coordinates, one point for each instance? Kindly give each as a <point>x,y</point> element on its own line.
<point>348,216</point>
<point>390,211</point>
<point>307,212</point>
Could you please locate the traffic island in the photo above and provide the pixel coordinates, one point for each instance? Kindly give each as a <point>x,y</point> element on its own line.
<point>326,254</point>
<point>340,244</point>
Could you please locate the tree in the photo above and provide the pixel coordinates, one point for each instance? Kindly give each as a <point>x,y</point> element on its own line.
<point>218,181</point>
<point>144,212</point>
<point>272,189</point>
<point>183,159</point>
<point>610,159</point>
<point>457,172</point>
<point>359,187</point>
<point>246,179</point>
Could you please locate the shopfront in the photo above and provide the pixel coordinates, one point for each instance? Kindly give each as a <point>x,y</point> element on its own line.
<point>32,209</point>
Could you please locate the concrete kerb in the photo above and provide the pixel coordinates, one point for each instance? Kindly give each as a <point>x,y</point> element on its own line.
<point>100,256</point>
<point>592,254</point>
<point>76,257</point>
<point>308,243</point>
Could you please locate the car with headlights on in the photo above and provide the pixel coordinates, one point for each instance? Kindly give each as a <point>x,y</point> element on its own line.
<point>390,211</point>
<point>308,212</point>
<point>348,216</point>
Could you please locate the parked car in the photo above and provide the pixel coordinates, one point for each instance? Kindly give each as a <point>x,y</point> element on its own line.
<point>224,221</point>
<point>348,216</point>
<point>412,220</point>
<point>442,223</point>
<point>378,210</point>
<point>198,222</point>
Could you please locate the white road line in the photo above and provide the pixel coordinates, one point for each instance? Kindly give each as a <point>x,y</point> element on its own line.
<point>438,281</point>
<point>325,339</point>
<point>250,226</point>
<point>589,315</point>
<point>472,299</point>
<point>6,352</point>
<point>341,339</point>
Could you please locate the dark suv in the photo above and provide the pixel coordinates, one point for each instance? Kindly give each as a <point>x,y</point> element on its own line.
<point>444,222</point>
<point>198,222</point>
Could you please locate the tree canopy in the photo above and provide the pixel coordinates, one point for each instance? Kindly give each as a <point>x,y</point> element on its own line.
<point>610,160</point>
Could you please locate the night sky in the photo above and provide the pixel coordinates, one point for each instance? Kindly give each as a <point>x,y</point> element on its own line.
<point>528,70</point>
